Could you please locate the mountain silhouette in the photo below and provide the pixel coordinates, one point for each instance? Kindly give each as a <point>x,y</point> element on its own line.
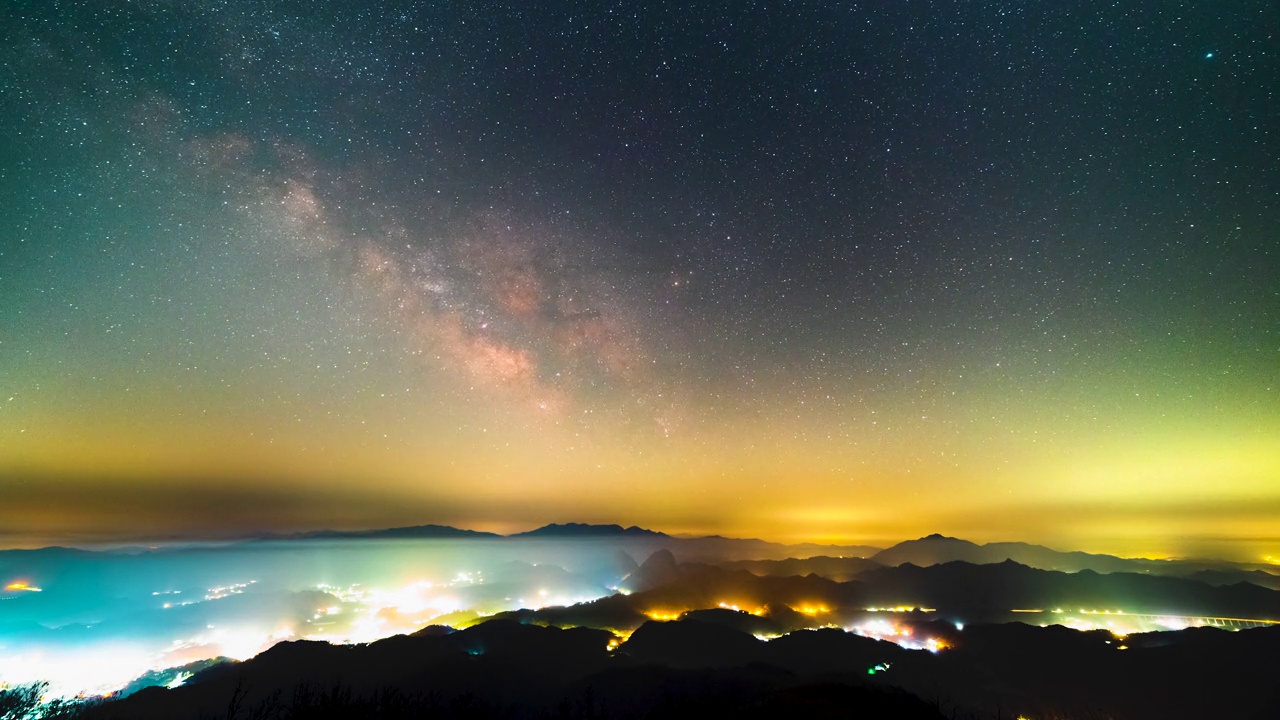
<point>697,634</point>
<point>505,669</point>
<point>964,591</point>
<point>693,668</point>
<point>937,549</point>
<point>834,568</point>
<point>416,532</point>
<point>580,530</point>
<point>657,570</point>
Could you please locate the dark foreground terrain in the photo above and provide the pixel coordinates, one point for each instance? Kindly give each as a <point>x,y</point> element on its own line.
<point>699,668</point>
<point>791,638</point>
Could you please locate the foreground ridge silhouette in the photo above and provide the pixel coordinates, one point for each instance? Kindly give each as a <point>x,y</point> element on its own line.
<point>505,669</point>
<point>703,667</point>
<point>693,639</point>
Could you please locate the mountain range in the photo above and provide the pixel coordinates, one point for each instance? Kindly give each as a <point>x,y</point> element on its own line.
<point>717,626</point>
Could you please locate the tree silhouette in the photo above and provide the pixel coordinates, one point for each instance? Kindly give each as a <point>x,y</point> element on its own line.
<point>22,702</point>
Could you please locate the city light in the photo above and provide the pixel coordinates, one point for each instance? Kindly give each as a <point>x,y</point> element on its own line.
<point>663,615</point>
<point>21,586</point>
<point>812,610</point>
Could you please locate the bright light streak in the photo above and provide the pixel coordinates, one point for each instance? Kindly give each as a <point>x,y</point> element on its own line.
<point>901,609</point>
<point>21,586</point>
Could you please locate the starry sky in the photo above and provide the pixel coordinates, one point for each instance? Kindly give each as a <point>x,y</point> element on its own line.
<point>806,271</point>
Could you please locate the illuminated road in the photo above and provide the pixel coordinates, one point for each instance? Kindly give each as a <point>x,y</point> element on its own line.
<point>1176,622</point>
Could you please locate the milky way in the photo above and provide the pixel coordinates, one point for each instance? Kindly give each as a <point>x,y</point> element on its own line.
<point>830,272</point>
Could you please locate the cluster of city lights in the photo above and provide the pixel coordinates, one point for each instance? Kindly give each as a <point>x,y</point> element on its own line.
<point>811,610</point>
<point>21,586</point>
<point>878,629</point>
<point>901,635</point>
<point>217,593</point>
<point>663,615</point>
<point>358,613</point>
<point>757,611</point>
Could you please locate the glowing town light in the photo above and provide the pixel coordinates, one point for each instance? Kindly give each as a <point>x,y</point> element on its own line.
<point>21,586</point>
<point>84,672</point>
<point>662,615</point>
<point>812,610</point>
<point>217,593</point>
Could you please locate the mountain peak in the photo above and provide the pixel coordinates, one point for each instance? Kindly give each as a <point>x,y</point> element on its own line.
<point>587,530</point>
<point>658,569</point>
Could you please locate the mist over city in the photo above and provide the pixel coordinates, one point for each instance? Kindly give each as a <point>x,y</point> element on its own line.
<point>402,359</point>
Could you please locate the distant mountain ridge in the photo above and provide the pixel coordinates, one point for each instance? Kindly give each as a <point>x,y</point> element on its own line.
<point>843,562</point>
<point>578,530</point>
<point>938,549</point>
<point>962,589</point>
<point>835,568</point>
<point>409,532</point>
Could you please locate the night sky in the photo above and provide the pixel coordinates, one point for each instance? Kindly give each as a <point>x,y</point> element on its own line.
<point>842,272</point>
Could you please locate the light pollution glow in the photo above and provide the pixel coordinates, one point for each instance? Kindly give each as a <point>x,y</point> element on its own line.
<point>148,613</point>
<point>360,615</point>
